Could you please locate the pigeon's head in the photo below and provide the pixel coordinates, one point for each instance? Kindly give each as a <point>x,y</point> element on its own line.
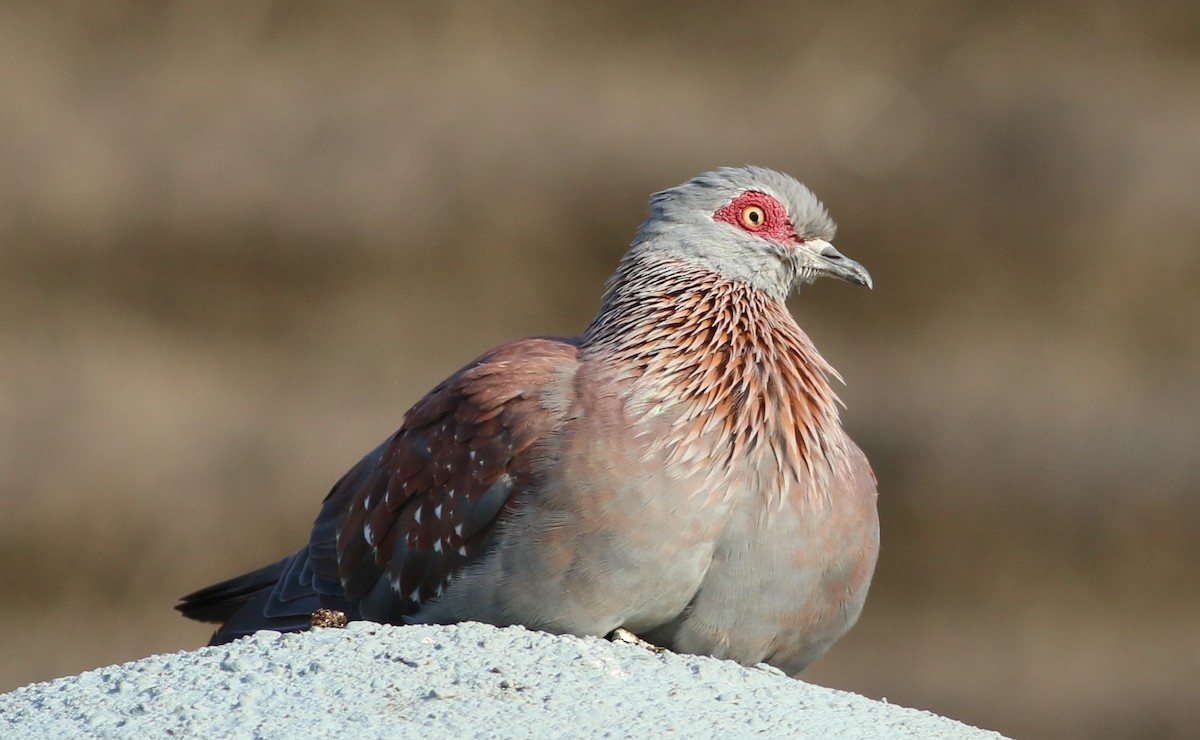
<point>749,224</point>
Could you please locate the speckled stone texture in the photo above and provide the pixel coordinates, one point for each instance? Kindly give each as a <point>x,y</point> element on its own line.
<point>462,681</point>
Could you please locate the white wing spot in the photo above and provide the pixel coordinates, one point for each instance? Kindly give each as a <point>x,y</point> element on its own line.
<point>437,512</point>
<point>417,516</point>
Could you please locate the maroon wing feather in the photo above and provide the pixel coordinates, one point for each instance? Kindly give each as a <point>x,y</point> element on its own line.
<point>396,529</point>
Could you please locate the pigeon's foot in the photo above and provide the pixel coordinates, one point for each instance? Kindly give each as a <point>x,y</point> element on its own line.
<point>620,634</point>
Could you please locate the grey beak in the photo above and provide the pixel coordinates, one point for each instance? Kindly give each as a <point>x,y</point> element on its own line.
<point>835,264</point>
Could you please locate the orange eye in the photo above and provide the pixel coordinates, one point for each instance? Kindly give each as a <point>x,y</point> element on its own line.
<point>753,217</point>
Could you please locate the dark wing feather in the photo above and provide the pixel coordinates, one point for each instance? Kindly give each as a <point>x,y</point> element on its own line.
<point>396,528</point>
<point>443,480</point>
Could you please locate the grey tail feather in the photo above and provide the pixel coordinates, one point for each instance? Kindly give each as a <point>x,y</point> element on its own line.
<point>219,602</point>
<point>253,617</point>
<point>280,596</point>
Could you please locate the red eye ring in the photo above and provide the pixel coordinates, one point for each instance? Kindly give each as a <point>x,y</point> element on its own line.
<point>753,217</point>
<point>759,214</point>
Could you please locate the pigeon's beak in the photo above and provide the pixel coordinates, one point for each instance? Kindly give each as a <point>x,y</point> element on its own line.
<point>828,261</point>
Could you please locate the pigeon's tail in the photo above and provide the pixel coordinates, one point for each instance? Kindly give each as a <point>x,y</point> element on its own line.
<point>274,597</point>
<point>217,603</point>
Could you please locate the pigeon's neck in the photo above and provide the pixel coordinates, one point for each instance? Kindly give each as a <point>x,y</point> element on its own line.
<point>731,357</point>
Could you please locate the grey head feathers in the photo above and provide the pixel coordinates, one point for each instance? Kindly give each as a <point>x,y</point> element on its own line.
<point>681,228</point>
<point>706,193</point>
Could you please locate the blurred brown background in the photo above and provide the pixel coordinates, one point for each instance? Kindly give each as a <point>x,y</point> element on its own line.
<point>238,239</point>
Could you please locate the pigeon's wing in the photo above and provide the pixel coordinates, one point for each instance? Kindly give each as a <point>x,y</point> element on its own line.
<point>394,535</point>
<point>398,526</point>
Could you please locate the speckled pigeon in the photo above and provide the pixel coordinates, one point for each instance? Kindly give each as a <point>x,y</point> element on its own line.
<point>678,471</point>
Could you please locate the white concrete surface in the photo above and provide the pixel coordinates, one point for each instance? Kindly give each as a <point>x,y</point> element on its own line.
<point>462,681</point>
